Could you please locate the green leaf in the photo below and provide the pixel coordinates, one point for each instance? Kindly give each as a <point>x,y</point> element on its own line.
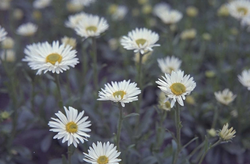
<point>132,115</point>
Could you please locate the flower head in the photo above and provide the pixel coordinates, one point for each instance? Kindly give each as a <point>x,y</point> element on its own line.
<point>170,16</point>
<point>69,41</point>
<point>40,4</point>
<point>27,29</point>
<point>45,57</point>
<point>227,134</point>
<point>8,43</point>
<point>244,78</point>
<point>188,34</point>
<point>3,34</point>
<point>169,64</point>
<point>140,40</point>
<point>225,97</point>
<point>118,12</point>
<point>82,2</point>
<point>71,127</point>
<point>160,8</point>
<point>123,92</point>
<point>8,55</point>
<point>176,86</point>
<point>74,20</point>
<point>239,8</point>
<point>105,153</point>
<point>91,26</point>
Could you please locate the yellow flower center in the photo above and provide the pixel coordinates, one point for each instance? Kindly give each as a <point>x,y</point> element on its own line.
<point>102,160</point>
<point>119,94</point>
<point>242,10</point>
<point>53,58</point>
<point>178,88</point>
<point>167,104</point>
<point>91,28</point>
<point>71,127</point>
<point>140,41</point>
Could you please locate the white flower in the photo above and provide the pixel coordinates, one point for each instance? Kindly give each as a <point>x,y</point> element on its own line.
<point>160,8</point>
<point>71,127</point>
<point>245,22</point>
<point>170,16</point>
<point>227,134</point>
<point>123,92</point>
<point>69,41</point>
<point>27,29</point>
<point>224,97</point>
<point>239,8</point>
<point>40,4</point>
<point>105,153</point>
<point>74,20</point>
<point>165,104</point>
<point>119,12</point>
<point>82,2</point>
<point>244,78</point>
<point>5,4</point>
<point>8,55</point>
<point>140,40</point>
<point>44,57</point>
<point>169,64</point>
<point>3,34</point>
<point>176,86</point>
<point>91,26</point>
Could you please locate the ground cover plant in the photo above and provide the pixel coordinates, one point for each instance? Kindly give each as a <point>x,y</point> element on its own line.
<point>128,82</point>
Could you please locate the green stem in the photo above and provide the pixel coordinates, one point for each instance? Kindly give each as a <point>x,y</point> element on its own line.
<point>95,62</point>
<point>178,132</point>
<point>70,152</point>
<point>84,67</point>
<point>215,117</point>
<point>119,127</point>
<point>13,95</point>
<point>204,154</point>
<point>139,80</point>
<point>60,102</point>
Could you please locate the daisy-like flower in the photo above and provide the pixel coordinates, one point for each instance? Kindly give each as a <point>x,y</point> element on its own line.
<point>244,78</point>
<point>27,29</point>
<point>40,4</point>
<point>105,153</point>
<point>227,134</point>
<point>140,40</point>
<point>71,127</point>
<point>69,41</point>
<point>44,57</point>
<point>160,8</point>
<point>118,12</point>
<point>176,86</point>
<point>91,26</point>
<point>74,20</point>
<point>239,8</point>
<point>169,64</point>
<point>123,92</point>
<point>83,2</point>
<point>170,16</point>
<point>164,102</point>
<point>188,34</point>
<point>225,97</point>
<point>3,34</point>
